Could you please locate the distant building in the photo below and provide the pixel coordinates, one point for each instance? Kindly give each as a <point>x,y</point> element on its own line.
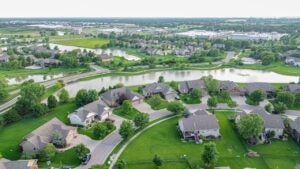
<point>292,88</point>
<point>115,97</point>
<point>4,58</point>
<point>77,30</point>
<point>19,164</point>
<point>265,87</point>
<point>160,88</point>
<point>187,86</point>
<point>105,57</point>
<point>44,63</point>
<point>292,61</point>
<point>232,87</point>
<point>218,46</point>
<point>294,127</point>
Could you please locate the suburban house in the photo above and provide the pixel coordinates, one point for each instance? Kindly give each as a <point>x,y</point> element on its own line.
<point>292,88</point>
<point>160,88</point>
<point>187,86</point>
<point>199,125</point>
<point>88,114</point>
<point>105,57</point>
<point>4,58</point>
<point>35,141</point>
<point>266,87</point>
<point>232,87</point>
<point>271,122</point>
<point>48,62</point>
<point>218,46</point>
<point>20,164</point>
<point>115,97</point>
<point>292,61</point>
<point>294,127</point>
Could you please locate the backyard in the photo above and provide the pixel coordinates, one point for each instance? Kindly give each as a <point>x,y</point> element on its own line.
<point>232,149</point>
<point>12,135</point>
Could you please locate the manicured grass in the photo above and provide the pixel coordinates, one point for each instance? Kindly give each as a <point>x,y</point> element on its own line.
<point>296,106</point>
<point>90,132</point>
<point>129,115</point>
<point>157,103</point>
<point>118,63</point>
<point>12,135</point>
<point>66,158</point>
<point>86,43</point>
<point>231,147</point>
<point>186,98</point>
<point>278,67</point>
<point>24,72</point>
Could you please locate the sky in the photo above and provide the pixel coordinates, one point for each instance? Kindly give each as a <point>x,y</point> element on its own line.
<point>150,8</point>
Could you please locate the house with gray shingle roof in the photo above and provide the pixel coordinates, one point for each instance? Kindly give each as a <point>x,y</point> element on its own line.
<point>4,58</point>
<point>20,164</point>
<point>232,87</point>
<point>36,140</point>
<point>272,122</point>
<point>292,88</point>
<point>115,97</point>
<point>199,125</point>
<point>266,87</point>
<point>294,127</point>
<point>90,113</point>
<point>160,88</point>
<point>187,86</point>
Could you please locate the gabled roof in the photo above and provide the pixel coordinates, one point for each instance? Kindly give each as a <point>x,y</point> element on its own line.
<point>266,87</point>
<point>192,84</point>
<point>292,87</point>
<point>116,94</point>
<point>228,85</point>
<point>270,120</point>
<point>199,122</point>
<point>41,136</point>
<point>20,164</point>
<point>158,88</point>
<point>97,108</point>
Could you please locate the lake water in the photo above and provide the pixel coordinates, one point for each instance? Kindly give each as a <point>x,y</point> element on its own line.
<point>236,75</point>
<point>36,78</point>
<point>120,53</point>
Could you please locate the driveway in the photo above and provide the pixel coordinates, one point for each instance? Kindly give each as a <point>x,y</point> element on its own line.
<point>144,107</point>
<point>241,102</point>
<point>159,114</point>
<point>103,149</point>
<point>88,142</point>
<point>194,107</point>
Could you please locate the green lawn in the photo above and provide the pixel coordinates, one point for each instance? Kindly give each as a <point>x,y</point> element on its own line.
<point>12,135</point>
<point>66,158</point>
<point>24,72</point>
<point>86,43</point>
<point>231,147</point>
<point>129,115</point>
<point>275,67</point>
<point>157,103</point>
<point>186,98</point>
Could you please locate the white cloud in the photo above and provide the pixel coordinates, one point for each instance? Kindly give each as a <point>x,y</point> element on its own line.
<point>149,8</point>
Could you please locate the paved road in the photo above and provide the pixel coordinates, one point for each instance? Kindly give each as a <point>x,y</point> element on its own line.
<point>47,84</point>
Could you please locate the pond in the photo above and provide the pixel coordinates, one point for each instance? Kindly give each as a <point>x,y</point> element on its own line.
<point>236,75</point>
<point>36,78</point>
<point>114,52</point>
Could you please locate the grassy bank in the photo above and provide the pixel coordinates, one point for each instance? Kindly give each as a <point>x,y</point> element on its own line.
<point>84,42</point>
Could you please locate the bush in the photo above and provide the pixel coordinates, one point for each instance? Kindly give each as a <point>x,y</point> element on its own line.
<point>231,103</point>
<point>28,156</point>
<point>100,130</point>
<point>47,153</point>
<point>11,116</point>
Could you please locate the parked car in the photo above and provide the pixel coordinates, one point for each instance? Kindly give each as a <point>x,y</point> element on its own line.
<point>86,159</point>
